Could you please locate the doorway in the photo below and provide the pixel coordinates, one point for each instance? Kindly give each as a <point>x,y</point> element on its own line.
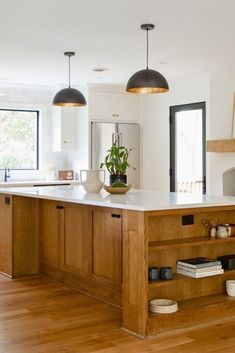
<point>188,148</point>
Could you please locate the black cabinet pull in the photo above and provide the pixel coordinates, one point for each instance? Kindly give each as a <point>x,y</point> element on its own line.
<point>115,215</point>
<point>60,207</point>
<point>7,200</point>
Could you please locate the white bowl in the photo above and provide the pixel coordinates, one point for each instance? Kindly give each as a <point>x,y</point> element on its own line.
<point>230,287</point>
<point>163,306</point>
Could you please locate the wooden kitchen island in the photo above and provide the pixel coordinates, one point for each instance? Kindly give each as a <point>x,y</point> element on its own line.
<point>103,245</point>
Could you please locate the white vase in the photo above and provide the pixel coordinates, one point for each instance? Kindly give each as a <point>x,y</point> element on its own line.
<point>92,183</point>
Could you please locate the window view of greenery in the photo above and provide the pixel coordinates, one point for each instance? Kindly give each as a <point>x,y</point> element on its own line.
<point>18,139</point>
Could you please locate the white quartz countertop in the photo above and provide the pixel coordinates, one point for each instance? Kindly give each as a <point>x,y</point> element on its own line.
<point>139,200</point>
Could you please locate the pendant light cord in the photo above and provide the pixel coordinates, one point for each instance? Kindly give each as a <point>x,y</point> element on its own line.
<point>69,71</point>
<point>147,48</point>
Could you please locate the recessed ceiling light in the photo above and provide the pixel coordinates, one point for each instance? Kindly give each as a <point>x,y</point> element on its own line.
<point>99,72</point>
<point>99,69</point>
<point>2,94</point>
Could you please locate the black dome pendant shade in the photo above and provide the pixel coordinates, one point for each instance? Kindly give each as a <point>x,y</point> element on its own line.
<point>69,97</point>
<point>147,80</point>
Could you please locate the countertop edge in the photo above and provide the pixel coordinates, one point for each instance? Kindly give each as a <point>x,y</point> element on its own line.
<point>82,202</point>
<point>115,204</point>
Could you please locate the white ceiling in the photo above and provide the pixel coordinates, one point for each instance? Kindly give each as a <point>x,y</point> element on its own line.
<point>192,36</point>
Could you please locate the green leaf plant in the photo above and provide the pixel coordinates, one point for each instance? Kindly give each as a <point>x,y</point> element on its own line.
<point>116,160</point>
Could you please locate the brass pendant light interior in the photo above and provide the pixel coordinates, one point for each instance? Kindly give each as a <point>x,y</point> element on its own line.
<point>69,97</point>
<point>147,80</point>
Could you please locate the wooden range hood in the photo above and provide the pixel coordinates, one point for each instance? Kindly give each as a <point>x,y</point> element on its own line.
<point>227,145</point>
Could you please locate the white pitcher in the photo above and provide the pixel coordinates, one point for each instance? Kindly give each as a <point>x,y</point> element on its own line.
<point>92,182</point>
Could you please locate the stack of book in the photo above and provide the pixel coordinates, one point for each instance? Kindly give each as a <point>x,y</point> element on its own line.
<point>199,267</point>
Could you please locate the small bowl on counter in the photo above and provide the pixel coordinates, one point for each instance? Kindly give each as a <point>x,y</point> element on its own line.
<point>117,190</point>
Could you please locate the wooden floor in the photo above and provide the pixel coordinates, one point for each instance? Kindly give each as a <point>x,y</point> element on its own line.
<point>39,315</point>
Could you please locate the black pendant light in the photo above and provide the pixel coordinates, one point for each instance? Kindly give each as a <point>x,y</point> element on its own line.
<point>69,97</point>
<point>147,80</point>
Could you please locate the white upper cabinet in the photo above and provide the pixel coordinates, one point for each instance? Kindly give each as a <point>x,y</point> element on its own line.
<point>64,128</point>
<point>101,106</point>
<point>113,106</point>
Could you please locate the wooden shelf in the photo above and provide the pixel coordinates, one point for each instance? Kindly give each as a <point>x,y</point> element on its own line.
<point>221,145</point>
<point>159,245</point>
<point>193,311</point>
<point>178,277</point>
<point>196,303</point>
<point>160,283</point>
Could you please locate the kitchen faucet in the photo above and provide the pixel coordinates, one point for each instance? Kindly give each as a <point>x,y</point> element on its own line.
<point>6,174</point>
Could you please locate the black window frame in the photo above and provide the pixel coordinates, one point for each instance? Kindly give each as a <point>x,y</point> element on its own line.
<point>37,134</point>
<point>179,108</point>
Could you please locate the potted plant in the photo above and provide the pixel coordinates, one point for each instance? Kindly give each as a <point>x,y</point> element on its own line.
<point>117,164</point>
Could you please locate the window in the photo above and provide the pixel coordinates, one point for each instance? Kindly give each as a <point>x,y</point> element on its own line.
<point>187,148</point>
<point>19,139</point>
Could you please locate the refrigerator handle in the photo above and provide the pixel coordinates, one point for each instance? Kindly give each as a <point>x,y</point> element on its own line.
<point>115,138</point>
<point>119,139</point>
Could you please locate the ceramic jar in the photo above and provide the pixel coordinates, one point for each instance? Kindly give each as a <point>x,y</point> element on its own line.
<point>221,232</point>
<point>230,288</point>
<point>153,273</point>
<point>92,183</point>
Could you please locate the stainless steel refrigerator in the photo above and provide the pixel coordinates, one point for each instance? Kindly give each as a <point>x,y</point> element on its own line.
<point>103,135</point>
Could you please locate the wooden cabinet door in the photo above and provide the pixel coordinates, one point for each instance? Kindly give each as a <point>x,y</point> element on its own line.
<point>74,249</point>
<point>25,236</point>
<point>107,246</point>
<point>6,234</point>
<point>49,233</point>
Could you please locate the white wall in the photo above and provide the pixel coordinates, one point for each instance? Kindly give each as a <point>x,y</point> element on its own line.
<point>154,119</point>
<point>155,159</point>
<point>222,87</point>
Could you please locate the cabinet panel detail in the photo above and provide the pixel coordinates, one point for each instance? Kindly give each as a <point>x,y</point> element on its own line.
<point>107,247</point>
<point>18,236</point>
<point>25,236</point>
<point>49,233</point>
<point>101,106</point>
<point>5,237</point>
<point>74,252</point>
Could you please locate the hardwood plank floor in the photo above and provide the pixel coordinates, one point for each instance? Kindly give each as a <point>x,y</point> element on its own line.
<point>39,315</point>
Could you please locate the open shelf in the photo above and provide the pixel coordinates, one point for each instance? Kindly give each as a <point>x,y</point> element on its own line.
<point>196,303</point>
<point>193,311</point>
<point>221,145</point>
<point>178,277</point>
<point>160,283</point>
<point>200,300</point>
<point>158,245</point>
